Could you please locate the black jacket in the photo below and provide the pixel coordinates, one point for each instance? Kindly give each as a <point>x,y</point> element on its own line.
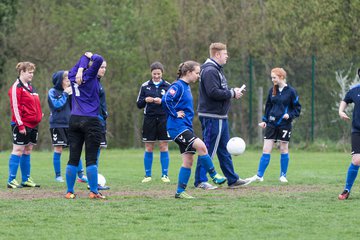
<point>148,89</point>
<point>214,94</point>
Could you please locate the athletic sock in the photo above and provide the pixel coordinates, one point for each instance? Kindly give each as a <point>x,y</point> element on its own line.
<point>25,167</point>
<point>206,162</point>
<point>164,159</point>
<point>57,163</point>
<point>284,163</point>
<point>80,169</point>
<point>70,177</point>
<point>184,176</point>
<point>148,159</point>
<point>92,175</point>
<point>14,162</point>
<point>264,162</point>
<point>351,176</point>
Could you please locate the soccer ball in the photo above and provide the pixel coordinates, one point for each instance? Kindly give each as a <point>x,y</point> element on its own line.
<point>101,180</point>
<point>236,146</point>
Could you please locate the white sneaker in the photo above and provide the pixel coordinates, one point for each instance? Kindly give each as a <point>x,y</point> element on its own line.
<point>206,186</point>
<point>283,179</point>
<point>146,179</point>
<point>165,179</point>
<point>59,179</point>
<point>254,178</point>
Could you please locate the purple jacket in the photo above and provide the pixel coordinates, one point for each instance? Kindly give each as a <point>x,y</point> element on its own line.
<point>85,100</point>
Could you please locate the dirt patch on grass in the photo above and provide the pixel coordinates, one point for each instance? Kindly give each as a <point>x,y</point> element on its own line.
<point>45,193</point>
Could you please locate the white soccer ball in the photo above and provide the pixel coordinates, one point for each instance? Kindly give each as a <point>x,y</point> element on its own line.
<point>101,180</point>
<point>236,146</point>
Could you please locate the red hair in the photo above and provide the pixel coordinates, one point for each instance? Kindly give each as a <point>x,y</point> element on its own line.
<point>281,73</point>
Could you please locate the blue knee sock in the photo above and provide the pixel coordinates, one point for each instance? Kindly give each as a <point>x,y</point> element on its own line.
<point>14,162</point>
<point>284,163</point>
<point>351,176</point>
<point>148,159</point>
<point>25,167</point>
<point>264,162</point>
<point>80,169</point>
<point>164,159</point>
<point>207,163</point>
<point>70,177</point>
<point>184,176</point>
<point>57,164</point>
<point>92,175</point>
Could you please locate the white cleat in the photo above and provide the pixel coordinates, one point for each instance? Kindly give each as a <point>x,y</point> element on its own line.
<point>283,179</point>
<point>254,178</point>
<point>146,179</point>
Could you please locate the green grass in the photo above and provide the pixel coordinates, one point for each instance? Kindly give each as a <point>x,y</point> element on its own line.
<point>305,208</point>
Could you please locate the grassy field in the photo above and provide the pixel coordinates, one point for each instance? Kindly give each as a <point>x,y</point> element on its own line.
<point>305,208</point>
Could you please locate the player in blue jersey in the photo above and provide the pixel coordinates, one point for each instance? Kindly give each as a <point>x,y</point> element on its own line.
<point>282,107</point>
<point>214,103</point>
<point>154,125</point>
<point>59,100</point>
<point>352,96</point>
<point>84,125</point>
<point>178,103</point>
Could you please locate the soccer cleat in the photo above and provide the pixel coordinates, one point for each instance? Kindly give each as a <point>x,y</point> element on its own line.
<point>283,179</point>
<point>96,196</point>
<point>146,179</point>
<point>218,179</point>
<point>183,195</point>
<point>165,179</point>
<point>344,195</point>
<point>82,179</point>
<point>240,182</point>
<point>254,178</point>
<point>206,186</point>
<point>13,184</point>
<point>70,195</point>
<point>59,179</point>
<point>29,183</point>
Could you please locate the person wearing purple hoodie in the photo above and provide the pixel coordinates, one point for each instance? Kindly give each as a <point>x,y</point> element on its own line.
<point>84,124</point>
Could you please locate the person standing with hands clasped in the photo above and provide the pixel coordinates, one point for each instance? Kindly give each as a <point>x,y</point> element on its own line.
<point>84,125</point>
<point>26,116</point>
<point>352,96</point>
<point>154,126</point>
<point>282,107</point>
<point>178,103</point>
<point>213,107</point>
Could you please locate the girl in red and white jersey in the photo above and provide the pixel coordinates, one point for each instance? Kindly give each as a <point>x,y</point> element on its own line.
<point>26,116</point>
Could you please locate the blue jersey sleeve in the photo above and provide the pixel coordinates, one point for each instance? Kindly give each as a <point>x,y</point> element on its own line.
<point>171,98</point>
<point>295,105</point>
<point>57,101</point>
